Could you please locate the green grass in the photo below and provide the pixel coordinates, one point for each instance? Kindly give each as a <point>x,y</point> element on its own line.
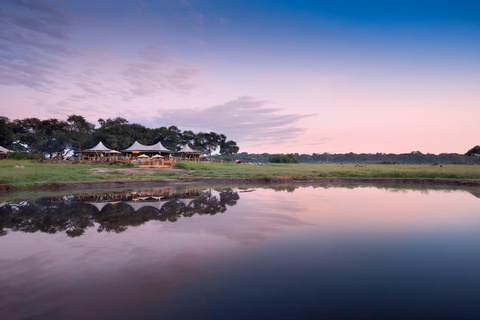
<point>36,173</point>
<point>204,169</point>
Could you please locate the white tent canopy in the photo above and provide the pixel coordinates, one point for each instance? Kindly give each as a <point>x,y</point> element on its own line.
<point>138,147</point>
<point>4,150</point>
<point>100,148</point>
<point>186,149</point>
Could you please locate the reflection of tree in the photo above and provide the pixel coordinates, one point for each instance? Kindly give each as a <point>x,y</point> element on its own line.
<point>289,188</point>
<point>72,216</point>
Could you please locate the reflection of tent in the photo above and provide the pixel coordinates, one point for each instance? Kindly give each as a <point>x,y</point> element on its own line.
<point>99,205</point>
<point>137,205</point>
<point>157,156</point>
<point>187,201</point>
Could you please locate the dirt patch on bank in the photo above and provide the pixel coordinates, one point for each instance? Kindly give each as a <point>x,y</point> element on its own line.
<point>134,170</point>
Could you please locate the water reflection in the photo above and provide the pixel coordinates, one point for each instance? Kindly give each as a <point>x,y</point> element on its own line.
<point>288,252</point>
<point>111,211</point>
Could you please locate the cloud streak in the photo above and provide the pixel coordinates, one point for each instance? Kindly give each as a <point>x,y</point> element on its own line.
<point>159,70</point>
<point>34,37</point>
<point>245,119</point>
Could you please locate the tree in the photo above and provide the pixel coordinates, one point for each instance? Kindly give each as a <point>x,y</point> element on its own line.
<point>27,135</point>
<point>187,137</point>
<point>79,131</point>
<point>53,138</point>
<point>475,151</point>
<point>228,148</point>
<point>112,132</point>
<point>209,142</point>
<point>6,133</point>
<point>169,137</point>
<point>281,158</point>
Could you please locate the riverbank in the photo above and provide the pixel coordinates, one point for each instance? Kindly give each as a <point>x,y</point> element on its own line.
<point>64,176</point>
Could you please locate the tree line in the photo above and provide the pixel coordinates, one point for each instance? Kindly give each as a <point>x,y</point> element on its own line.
<point>56,138</point>
<point>414,157</point>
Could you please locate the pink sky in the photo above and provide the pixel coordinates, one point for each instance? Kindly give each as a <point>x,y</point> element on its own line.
<point>296,77</point>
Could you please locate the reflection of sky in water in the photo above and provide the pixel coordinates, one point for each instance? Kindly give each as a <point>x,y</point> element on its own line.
<point>311,253</point>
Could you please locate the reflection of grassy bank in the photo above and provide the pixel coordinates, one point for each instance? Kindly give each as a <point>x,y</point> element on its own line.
<point>43,174</point>
<point>333,170</point>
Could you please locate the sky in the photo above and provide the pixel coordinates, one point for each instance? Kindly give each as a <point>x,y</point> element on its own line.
<point>276,76</point>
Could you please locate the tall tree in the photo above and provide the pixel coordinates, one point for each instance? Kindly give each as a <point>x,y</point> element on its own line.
<point>169,137</point>
<point>112,133</point>
<point>228,148</point>
<point>187,137</point>
<point>27,135</point>
<point>6,133</point>
<point>209,142</point>
<point>475,151</point>
<point>53,139</point>
<point>79,131</point>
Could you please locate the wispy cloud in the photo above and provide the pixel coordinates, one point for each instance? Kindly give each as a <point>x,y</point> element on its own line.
<point>159,70</point>
<point>245,119</point>
<point>35,38</point>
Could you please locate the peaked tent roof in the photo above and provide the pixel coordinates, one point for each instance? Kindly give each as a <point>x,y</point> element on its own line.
<point>136,146</point>
<point>100,148</point>
<point>4,150</point>
<point>187,149</point>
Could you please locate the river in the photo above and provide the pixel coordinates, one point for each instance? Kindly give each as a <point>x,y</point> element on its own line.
<point>285,252</point>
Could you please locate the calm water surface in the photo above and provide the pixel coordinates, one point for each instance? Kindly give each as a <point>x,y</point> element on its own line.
<point>298,253</point>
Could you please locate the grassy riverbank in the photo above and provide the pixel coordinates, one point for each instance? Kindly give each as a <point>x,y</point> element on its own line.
<point>232,170</point>
<point>37,174</point>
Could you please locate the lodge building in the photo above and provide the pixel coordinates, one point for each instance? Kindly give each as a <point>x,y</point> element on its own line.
<point>141,155</point>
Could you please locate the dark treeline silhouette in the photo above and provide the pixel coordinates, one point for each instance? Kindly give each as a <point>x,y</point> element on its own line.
<point>55,138</point>
<point>114,212</point>
<point>415,157</point>
<point>72,215</point>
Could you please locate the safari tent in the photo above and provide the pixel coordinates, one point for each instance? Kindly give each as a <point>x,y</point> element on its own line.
<point>138,149</point>
<point>100,153</point>
<point>187,153</point>
<point>146,156</point>
<point>3,152</point>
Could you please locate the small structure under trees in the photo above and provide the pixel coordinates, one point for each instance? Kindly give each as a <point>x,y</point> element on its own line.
<point>3,152</point>
<point>187,153</point>
<point>100,153</point>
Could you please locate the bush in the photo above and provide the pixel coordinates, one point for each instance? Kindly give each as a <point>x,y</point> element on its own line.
<point>281,158</point>
<point>180,165</point>
<point>25,156</point>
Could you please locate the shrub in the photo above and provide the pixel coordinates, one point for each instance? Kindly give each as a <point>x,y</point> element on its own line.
<point>281,158</point>
<point>25,156</point>
<point>180,165</point>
